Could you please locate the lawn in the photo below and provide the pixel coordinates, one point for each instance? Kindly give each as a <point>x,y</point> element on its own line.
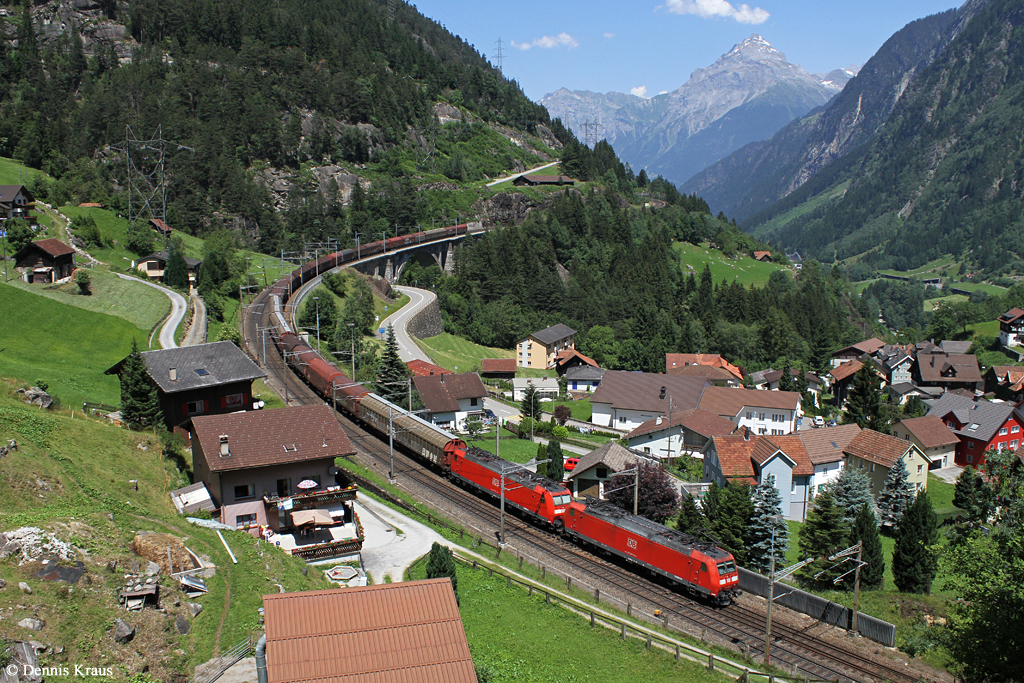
<point>512,447</point>
<point>989,328</point>
<point>112,227</point>
<point>581,408</point>
<point>139,304</point>
<point>13,172</point>
<point>930,269</point>
<point>452,353</point>
<point>517,637</point>
<point>67,347</point>
<point>742,269</point>
<point>931,304</point>
<point>991,290</point>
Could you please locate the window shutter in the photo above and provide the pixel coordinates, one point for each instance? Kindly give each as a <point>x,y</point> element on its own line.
<point>184,409</point>
<point>223,401</point>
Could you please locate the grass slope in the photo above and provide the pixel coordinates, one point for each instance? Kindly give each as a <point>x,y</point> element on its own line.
<point>744,269</point>
<point>451,352</point>
<point>67,347</point>
<point>13,172</point>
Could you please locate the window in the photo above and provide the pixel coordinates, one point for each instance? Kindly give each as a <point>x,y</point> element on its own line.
<point>242,520</point>
<point>245,491</point>
<point>602,472</point>
<point>970,445</point>
<point>152,265</point>
<point>750,415</point>
<point>1014,429</point>
<point>950,425</point>
<point>920,468</point>
<point>473,401</point>
<point>1001,445</point>
<point>647,449</point>
<point>622,419</point>
<point>872,467</point>
<point>761,416</point>
<point>762,430</point>
<point>792,486</point>
<point>703,567</point>
<point>970,458</point>
<point>233,400</point>
<point>1002,432</point>
<point>1013,445</point>
<point>284,488</point>
<point>195,407</point>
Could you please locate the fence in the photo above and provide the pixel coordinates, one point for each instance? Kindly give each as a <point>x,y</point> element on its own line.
<point>236,654</point>
<point>824,610</point>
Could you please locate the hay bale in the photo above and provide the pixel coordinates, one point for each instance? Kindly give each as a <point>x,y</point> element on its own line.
<point>153,547</point>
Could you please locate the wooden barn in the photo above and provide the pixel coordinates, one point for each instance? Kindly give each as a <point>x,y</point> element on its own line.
<point>46,260</point>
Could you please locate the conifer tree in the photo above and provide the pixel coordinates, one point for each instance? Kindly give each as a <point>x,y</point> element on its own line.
<point>690,519</point>
<point>914,560</point>
<point>441,564</point>
<point>786,380</point>
<point>542,454</point>
<point>392,374</point>
<point>864,401</point>
<point>973,496</point>
<point>176,274</point>
<point>851,491</point>
<point>896,497</point>
<point>139,404</point>
<point>530,405</point>
<point>556,468</point>
<point>765,535</point>
<point>865,530</point>
<point>822,534</point>
<point>728,511</point>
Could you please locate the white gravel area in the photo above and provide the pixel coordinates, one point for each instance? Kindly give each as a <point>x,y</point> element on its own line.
<point>387,551</point>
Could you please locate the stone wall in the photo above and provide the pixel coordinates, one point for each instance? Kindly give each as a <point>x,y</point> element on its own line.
<point>428,322</point>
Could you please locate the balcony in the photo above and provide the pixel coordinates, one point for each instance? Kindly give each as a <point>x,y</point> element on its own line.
<point>314,499</point>
<point>323,542</point>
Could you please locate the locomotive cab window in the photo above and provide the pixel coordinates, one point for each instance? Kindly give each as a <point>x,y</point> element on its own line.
<point>726,568</point>
<point>704,567</point>
<point>561,500</point>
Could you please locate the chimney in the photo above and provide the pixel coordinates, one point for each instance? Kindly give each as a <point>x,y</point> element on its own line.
<point>746,433</point>
<point>173,373</point>
<point>224,446</point>
<point>657,421</point>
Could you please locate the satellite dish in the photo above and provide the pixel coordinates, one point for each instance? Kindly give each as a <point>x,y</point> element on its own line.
<point>333,470</point>
<point>262,403</point>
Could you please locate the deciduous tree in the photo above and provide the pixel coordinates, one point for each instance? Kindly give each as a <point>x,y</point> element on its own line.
<point>657,500</point>
<point>19,234</point>
<point>319,310</point>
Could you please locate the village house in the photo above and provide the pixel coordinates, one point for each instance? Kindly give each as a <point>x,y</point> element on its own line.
<point>406,632</point>
<point>592,473</point>
<point>948,371</point>
<point>498,368</point>
<point>450,399</point>
<point>686,431</point>
<point>855,351</point>
<point>256,465</point>
<point>547,387</point>
<point>1011,327</point>
<point>1005,382</point>
<point>744,458</point>
<point>897,364</point>
<point>17,202</point>
<point>720,377</point>
<point>763,256</point>
<point>824,448</point>
<point>842,377</point>
<point>46,261</point>
<point>540,349</point>
<point>567,359</point>
<point>160,226</point>
<point>155,265</point>
<point>625,400</point>
<point>979,425</point>
<point>904,391</point>
<point>583,379</point>
<point>204,379</point>
<point>676,361</point>
<point>932,436</point>
<point>763,412</point>
<point>874,454</point>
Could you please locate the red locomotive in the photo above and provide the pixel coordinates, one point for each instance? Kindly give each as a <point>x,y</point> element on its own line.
<point>699,567</point>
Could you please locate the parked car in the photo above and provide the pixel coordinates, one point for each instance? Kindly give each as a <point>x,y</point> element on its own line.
<point>569,464</point>
<point>489,413</point>
<point>831,423</point>
<point>819,421</point>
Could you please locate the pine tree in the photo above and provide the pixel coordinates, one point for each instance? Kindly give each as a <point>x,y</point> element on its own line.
<point>542,454</point>
<point>865,530</point>
<point>441,564</point>
<point>392,381</point>
<point>973,496</point>
<point>786,380</point>
<point>822,534</point>
<point>864,401</point>
<point>530,405</point>
<point>556,468</point>
<point>140,407</point>
<point>851,491</point>
<point>690,519</point>
<point>914,560</point>
<point>896,497</point>
<point>765,534</point>
<point>728,511</point>
<point>176,274</point>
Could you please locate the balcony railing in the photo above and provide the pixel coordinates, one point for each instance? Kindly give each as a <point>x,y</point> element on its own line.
<point>306,501</point>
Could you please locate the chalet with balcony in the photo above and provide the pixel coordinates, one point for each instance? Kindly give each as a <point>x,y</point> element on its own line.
<point>46,260</point>
<point>824,448</point>
<point>17,202</point>
<point>1011,327</point>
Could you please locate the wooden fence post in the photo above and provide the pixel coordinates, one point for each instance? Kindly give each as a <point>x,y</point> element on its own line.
<point>711,662</point>
<point>508,582</point>
<point>520,561</point>
<point>677,652</point>
<point>623,630</point>
<point>629,609</point>
<point>543,572</point>
<point>597,594</point>
<point>591,618</point>
<point>648,641</point>
<point>568,582</point>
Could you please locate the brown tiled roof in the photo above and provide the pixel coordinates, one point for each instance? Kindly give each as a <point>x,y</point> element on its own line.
<point>405,632</point>
<point>730,402</point>
<point>930,430</point>
<point>160,225</point>
<point>759,254</point>
<point>826,444</point>
<point>847,369</point>
<point>640,391</point>
<point>1011,315</point>
<point>674,361</point>
<point>734,456</point>
<point>614,456</point>
<point>793,446</point>
<point>878,448</point>
<point>931,366</point>
<point>498,365</point>
<point>565,355</point>
<point>704,422</point>
<point>260,438</point>
<point>54,247</point>
<point>868,346</point>
<point>421,368</point>
<point>709,371</point>
<point>441,393</point>
<point>1011,376</point>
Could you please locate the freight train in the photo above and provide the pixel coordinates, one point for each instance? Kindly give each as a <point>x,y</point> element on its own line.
<point>696,566</point>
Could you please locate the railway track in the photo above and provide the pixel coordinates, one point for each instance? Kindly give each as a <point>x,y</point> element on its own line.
<point>792,648</point>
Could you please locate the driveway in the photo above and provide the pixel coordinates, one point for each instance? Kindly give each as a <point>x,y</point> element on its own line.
<point>178,308</point>
<point>418,300</point>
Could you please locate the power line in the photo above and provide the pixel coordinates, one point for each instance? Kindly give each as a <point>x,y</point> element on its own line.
<point>499,55</point>
<point>592,133</point>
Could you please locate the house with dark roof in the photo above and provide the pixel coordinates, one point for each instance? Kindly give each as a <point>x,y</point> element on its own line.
<point>896,363</point>
<point>625,400</point>
<point>540,349</point>
<point>535,180</point>
<point>824,448</point>
<point>763,412</point>
<point>902,392</point>
<point>932,436</point>
<point>676,361</point>
<point>547,387</point>
<point>450,399</point>
<point>155,264</point>
<point>571,358</point>
<point>855,351</point>
<point>684,431</point>
<point>769,380</point>
<point>1005,382</point>
<point>592,473</point>
<point>498,368</point>
<point>583,379</point>
<point>17,202</point>
<point>979,425</point>
<point>256,465</point>
<point>842,377</point>
<point>46,260</point>
<point>744,458</point>
<point>720,377</point>
<point>421,368</point>
<point>873,454</point>
<point>406,632</point>
<point>948,371</point>
<point>205,379</point>
<point>1011,327</point>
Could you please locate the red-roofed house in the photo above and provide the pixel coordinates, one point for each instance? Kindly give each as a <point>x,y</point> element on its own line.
<point>571,358</point>
<point>748,459</point>
<point>688,432</point>
<point>46,260</point>
<point>498,368</point>
<point>674,361</point>
<point>160,226</point>
<point>932,436</point>
<point>855,351</point>
<point>874,454</point>
<point>450,399</point>
<point>763,256</point>
<point>1011,327</point>
<point>1005,382</point>
<point>763,412</point>
<point>253,462</point>
<point>824,447</point>
<point>421,368</point>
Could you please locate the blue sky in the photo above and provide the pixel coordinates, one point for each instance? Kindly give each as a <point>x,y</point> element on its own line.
<point>629,45</point>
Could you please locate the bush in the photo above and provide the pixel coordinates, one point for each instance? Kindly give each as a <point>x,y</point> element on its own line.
<point>560,432</point>
<point>83,281</point>
<point>139,238</point>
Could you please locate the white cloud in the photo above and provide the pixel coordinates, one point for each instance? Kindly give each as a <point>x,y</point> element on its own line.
<point>708,9</point>
<point>562,39</point>
<point>639,91</point>
<point>609,35</point>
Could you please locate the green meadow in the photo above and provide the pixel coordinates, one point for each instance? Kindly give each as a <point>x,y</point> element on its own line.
<point>742,269</point>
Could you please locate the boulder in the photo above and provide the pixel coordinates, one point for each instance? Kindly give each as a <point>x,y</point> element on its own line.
<point>152,569</point>
<point>194,608</point>
<point>181,623</point>
<point>25,588</point>
<point>123,631</point>
<point>32,624</point>
<point>3,584</point>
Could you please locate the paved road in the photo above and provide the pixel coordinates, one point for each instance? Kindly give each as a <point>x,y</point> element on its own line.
<point>178,307</point>
<point>514,175</point>
<point>419,299</point>
<point>197,330</point>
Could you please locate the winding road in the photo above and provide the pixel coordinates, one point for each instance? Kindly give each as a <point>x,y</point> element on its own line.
<point>419,299</point>
<point>178,308</point>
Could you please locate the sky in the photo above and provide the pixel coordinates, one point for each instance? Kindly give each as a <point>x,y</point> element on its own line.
<point>652,46</point>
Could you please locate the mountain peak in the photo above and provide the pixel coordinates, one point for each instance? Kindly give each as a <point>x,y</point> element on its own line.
<point>755,47</point>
